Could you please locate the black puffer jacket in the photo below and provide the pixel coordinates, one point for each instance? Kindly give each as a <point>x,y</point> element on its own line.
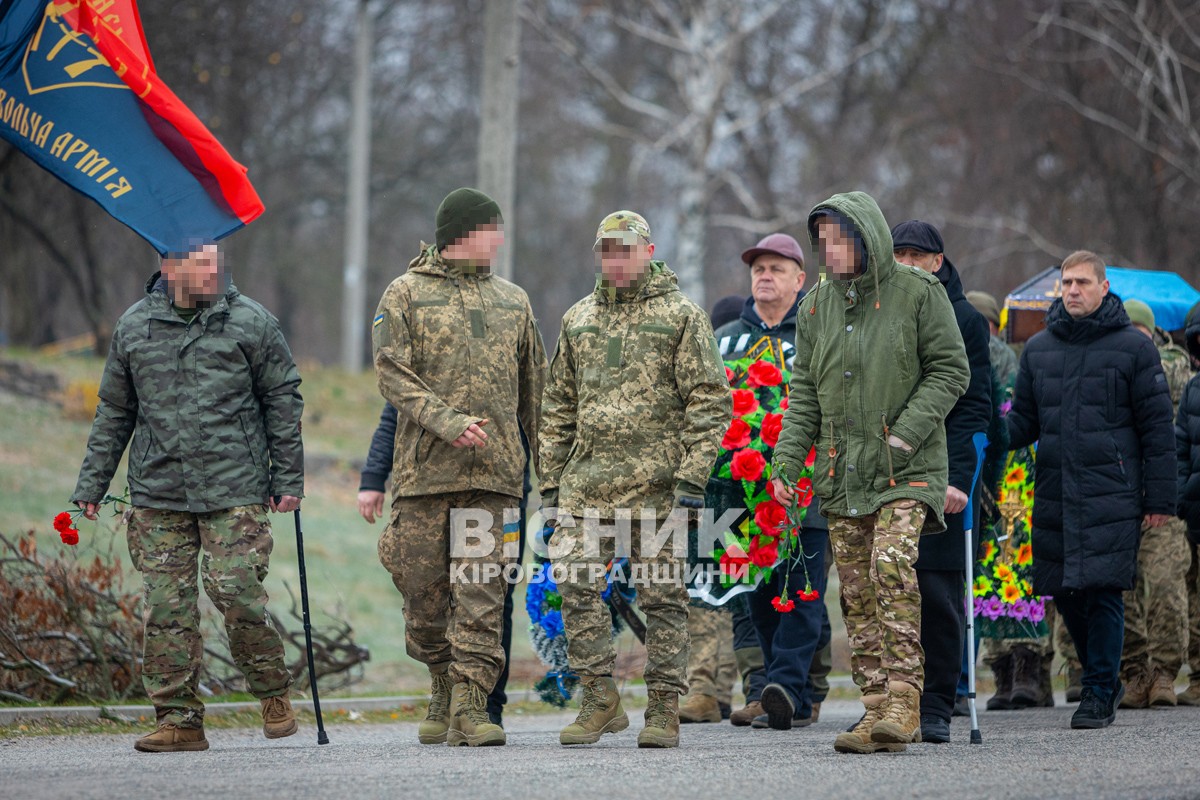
<point>379,458</point>
<point>1092,393</point>
<point>971,414</point>
<point>1187,436</point>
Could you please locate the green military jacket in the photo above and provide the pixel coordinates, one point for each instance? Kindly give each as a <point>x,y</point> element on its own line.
<point>1177,366</point>
<point>877,354</point>
<point>213,407</point>
<point>637,401</point>
<point>451,350</point>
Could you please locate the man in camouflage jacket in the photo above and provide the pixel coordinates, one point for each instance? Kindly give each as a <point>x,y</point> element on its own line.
<point>201,378</point>
<point>459,356</point>
<point>632,417</point>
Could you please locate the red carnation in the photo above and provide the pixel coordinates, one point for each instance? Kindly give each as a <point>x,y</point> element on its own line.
<point>747,465</point>
<point>772,424</point>
<point>781,605</point>
<point>69,536</point>
<point>804,492</point>
<point>744,402</point>
<point>737,436</point>
<point>770,517</point>
<point>62,522</point>
<point>765,555</point>
<point>808,594</point>
<point>760,373</point>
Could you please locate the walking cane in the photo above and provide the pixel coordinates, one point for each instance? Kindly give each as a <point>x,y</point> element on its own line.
<point>322,738</point>
<point>980,441</point>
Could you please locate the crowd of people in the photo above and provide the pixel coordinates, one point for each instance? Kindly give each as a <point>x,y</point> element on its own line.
<point>888,378</point>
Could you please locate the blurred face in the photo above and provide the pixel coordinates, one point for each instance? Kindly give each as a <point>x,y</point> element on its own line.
<point>476,251</point>
<point>837,248</point>
<point>1082,291</point>
<point>930,262</point>
<point>622,265</point>
<point>196,276</point>
<point>775,279</point>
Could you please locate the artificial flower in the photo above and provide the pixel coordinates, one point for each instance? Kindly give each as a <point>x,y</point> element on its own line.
<point>747,465</point>
<point>763,373</point>
<point>770,517</point>
<point>772,425</point>
<point>737,436</point>
<point>1024,555</point>
<point>744,402</point>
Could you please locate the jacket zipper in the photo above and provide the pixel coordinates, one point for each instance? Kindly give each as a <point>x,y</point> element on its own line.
<point>887,448</point>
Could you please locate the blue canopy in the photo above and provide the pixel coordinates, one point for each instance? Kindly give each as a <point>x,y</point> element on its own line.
<point>1168,295</point>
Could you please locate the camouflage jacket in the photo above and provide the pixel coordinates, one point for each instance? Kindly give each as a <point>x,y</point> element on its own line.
<point>213,407</point>
<point>878,354</point>
<point>453,349</point>
<point>1176,364</point>
<point>637,401</point>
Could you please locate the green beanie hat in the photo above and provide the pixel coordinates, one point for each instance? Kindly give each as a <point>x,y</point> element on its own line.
<point>463,211</point>
<point>1140,314</point>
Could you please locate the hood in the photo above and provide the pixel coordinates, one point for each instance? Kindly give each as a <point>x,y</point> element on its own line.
<point>948,275</point>
<point>750,313</point>
<point>862,210</point>
<point>1108,317</point>
<point>1191,329</point>
<point>658,280</point>
<point>430,262</point>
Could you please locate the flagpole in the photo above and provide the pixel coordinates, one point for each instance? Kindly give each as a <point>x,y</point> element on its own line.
<point>354,279</point>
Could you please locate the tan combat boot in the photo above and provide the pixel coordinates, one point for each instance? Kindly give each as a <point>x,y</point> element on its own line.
<point>857,738</point>
<point>662,720</point>
<point>700,708</point>
<point>1191,695</point>
<point>170,738</point>
<point>1137,689</point>
<point>1162,689</point>
<point>816,715</point>
<point>436,724</point>
<point>600,712</point>
<point>744,716</point>
<point>279,720</point>
<point>900,720</point>
<point>470,724</point>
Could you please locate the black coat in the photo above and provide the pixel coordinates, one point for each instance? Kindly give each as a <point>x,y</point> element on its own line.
<point>971,414</point>
<point>379,458</point>
<point>1092,393</point>
<point>1187,438</point>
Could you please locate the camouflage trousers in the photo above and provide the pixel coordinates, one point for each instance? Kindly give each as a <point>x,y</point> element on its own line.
<point>712,670</point>
<point>453,602</point>
<point>1156,609</point>
<point>586,618</point>
<point>881,602</point>
<point>233,547</point>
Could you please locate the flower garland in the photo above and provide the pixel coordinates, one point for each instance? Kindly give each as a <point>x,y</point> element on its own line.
<point>770,535</point>
<point>1003,591</point>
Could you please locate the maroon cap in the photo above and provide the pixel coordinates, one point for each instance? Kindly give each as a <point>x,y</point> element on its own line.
<point>779,244</point>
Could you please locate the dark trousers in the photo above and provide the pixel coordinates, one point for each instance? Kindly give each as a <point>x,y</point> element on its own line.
<point>943,634</point>
<point>1095,619</point>
<point>498,697</point>
<point>745,636</point>
<point>789,639</point>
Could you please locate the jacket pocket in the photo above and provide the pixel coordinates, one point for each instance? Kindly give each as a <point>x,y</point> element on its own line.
<point>251,442</point>
<point>1122,467</point>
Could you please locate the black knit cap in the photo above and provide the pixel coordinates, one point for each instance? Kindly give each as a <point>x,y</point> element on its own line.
<point>463,211</point>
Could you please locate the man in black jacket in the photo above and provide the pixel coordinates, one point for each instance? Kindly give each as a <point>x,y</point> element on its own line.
<point>941,569</point>
<point>1091,391</point>
<point>1187,445</point>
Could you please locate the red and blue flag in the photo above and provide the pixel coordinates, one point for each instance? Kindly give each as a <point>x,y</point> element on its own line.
<point>79,95</point>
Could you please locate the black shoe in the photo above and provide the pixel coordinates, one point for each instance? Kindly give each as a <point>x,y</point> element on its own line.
<point>961,707</point>
<point>761,722</point>
<point>1117,696</point>
<point>726,710</point>
<point>1094,712</point>
<point>934,729</point>
<point>779,707</point>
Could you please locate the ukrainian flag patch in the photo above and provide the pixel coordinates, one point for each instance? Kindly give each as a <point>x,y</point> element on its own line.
<point>378,320</point>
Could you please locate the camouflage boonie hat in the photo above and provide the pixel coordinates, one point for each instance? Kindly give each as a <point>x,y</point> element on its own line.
<point>625,226</point>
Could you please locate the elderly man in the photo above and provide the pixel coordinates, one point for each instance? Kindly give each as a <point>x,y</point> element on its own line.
<point>1091,392</point>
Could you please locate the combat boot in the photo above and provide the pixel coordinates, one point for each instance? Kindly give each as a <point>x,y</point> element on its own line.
<point>816,715</point>
<point>1046,696</point>
<point>470,724</point>
<point>1191,695</point>
<point>1074,684</point>
<point>170,738</point>
<point>1026,683</point>
<point>1137,689</point>
<point>1002,671</point>
<point>744,716</point>
<point>600,712</point>
<point>700,708</point>
<point>662,720</point>
<point>279,720</point>
<point>857,738</point>
<point>900,720</point>
<point>436,725</point>
<point>1162,689</point>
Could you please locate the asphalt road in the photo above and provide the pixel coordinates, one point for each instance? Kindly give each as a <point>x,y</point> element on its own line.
<point>1025,754</point>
